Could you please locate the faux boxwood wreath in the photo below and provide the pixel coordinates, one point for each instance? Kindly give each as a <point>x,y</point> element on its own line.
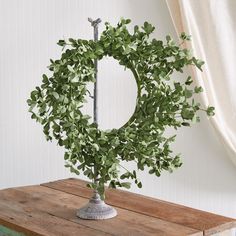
<point>161,102</point>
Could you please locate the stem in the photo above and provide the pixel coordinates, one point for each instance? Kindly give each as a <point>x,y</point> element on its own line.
<point>124,168</point>
<point>137,79</point>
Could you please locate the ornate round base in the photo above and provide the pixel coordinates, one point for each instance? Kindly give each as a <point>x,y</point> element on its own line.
<point>96,211</point>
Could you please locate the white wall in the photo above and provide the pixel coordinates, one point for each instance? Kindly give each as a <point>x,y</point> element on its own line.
<point>29,31</point>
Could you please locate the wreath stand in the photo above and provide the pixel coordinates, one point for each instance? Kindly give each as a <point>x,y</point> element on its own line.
<point>96,208</point>
<point>159,104</point>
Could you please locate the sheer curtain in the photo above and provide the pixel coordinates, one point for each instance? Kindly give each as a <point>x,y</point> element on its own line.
<point>212,24</point>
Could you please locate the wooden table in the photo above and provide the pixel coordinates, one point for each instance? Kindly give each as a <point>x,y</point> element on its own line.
<point>49,209</point>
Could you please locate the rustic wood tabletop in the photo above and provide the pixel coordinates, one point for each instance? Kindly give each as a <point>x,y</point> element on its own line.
<point>50,209</point>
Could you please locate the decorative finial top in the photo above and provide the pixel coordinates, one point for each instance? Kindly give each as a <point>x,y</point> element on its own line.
<point>94,23</point>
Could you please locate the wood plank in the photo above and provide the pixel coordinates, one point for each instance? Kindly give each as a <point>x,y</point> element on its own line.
<point>34,222</point>
<point>207,222</point>
<point>64,206</point>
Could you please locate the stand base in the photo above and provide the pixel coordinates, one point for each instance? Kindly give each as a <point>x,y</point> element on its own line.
<point>96,209</point>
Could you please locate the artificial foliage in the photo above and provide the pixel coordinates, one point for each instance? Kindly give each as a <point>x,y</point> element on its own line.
<point>162,102</point>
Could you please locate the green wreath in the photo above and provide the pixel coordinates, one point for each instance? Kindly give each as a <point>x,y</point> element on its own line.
<point>161,102</point>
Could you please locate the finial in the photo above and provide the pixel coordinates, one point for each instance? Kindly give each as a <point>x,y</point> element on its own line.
<point>94,23</point>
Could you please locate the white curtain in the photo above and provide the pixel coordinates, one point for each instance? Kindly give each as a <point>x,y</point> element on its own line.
<point>212,24</point>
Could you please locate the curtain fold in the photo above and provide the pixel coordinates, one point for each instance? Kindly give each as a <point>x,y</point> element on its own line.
<point>212,25</point>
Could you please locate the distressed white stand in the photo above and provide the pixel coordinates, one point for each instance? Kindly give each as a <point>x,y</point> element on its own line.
<point>96,209</point>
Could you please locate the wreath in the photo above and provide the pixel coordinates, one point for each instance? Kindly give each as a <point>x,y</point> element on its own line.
<point>162,102</point>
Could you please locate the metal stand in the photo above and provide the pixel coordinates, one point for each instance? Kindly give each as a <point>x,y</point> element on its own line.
<point>96,209</point>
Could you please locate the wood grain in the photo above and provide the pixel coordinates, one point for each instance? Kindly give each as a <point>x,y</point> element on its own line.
<point>16,214</point>
<point>63,206</point>
<point>50,210</point>
<point>203,221</point>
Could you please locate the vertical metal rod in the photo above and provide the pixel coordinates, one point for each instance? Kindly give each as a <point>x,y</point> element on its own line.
<point>96,209</point>
<point>94,24</point>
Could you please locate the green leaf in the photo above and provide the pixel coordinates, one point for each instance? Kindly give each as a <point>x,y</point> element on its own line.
<point>122,21</point>
<point>185,124</point>
<point>33,95</point>
<point>189,80</point>
<point>198,89</point>
<point>95,146</point>
<point>29,102</point>
<point>55,95</point>
<point>139,185</point>
<point>210,111</point>
<point>99,50</point>
<point>136,28</point>
<point>168,38</point>
<point>112,184</point>
<point>148,28</point>
<point>126,185</point>
<point>61,42</point>
<point>152,171</point>
<point>56,127</point>
<point>74,170</point>
<point>195,119</point>
<point>32,106</point>
<point>187,114</point>
<point>127,21</point>
<point>91,185</point>
<point>70,68</point>
<point>125,175</point>
<point>45,79</point>
<point>66,156</point>
<point>73,41</point>
<point>75,79</point>
<point>198,63</point>
<point>184,36</point>
<point>188,93</point>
